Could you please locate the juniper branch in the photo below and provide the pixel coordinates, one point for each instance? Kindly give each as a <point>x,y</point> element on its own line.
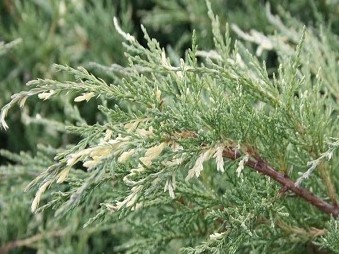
<point>260,165</point>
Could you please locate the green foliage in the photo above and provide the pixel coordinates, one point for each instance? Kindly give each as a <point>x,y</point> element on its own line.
<point>332,237</point>
<point>148,173</point>
<point>46,36</point>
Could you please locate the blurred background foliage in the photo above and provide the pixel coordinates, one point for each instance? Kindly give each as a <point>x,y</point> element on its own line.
<point>38,33</point>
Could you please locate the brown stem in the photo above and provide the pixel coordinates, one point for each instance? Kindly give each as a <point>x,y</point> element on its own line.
<point>30,240</point>
<point>308,233</point>
<point>261,166</point>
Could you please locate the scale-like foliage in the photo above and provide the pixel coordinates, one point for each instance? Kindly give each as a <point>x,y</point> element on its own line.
<point>172,161</point>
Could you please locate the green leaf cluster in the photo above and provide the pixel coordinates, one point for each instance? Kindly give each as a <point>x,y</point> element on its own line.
<point>149,171</point>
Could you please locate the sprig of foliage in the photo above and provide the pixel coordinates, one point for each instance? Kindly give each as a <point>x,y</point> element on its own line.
<point>168,156</point>
<point>4,47</point>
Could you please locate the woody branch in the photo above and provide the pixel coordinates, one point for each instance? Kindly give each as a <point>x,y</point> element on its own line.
<point>258,164</point>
